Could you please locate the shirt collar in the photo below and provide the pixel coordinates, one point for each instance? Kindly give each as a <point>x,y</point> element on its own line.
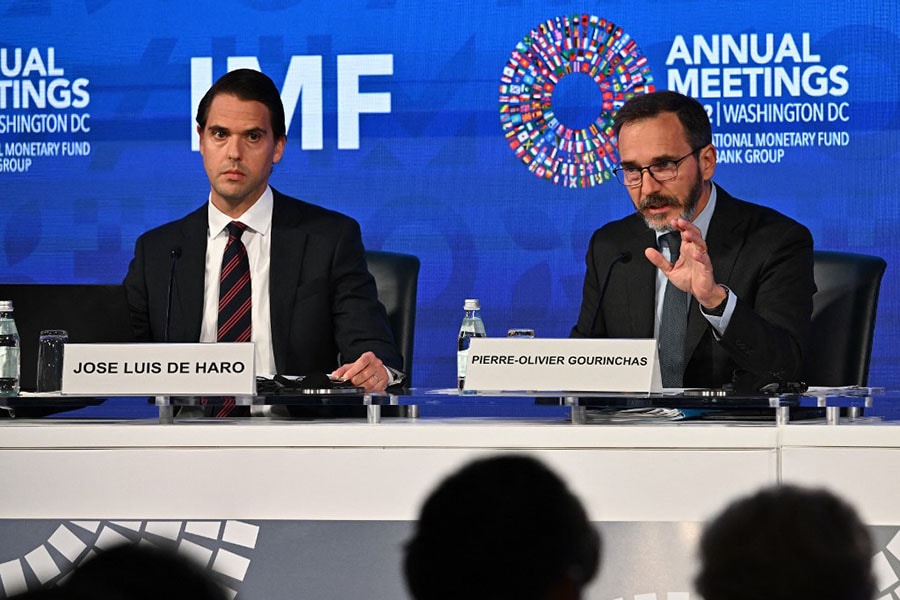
<point>257,218</point>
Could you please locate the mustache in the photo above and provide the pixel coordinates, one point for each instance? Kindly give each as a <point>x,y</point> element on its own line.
<point>658,201</point>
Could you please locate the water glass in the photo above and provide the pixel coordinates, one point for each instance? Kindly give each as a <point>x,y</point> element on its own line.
<point>50,360</point>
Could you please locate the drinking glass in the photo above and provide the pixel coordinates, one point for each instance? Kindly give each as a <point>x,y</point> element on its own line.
<point>50,360</point>
<point>520,332</point>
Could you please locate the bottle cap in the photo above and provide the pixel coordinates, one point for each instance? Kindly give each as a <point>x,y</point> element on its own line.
<point>472,304</point>
<point>6,305</point>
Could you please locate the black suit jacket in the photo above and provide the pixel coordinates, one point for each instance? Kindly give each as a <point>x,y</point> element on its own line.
<point>323,301</point>
<point>763,256</point>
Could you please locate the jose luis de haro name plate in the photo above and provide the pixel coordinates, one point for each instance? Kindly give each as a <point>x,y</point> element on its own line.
<point>159,369</point>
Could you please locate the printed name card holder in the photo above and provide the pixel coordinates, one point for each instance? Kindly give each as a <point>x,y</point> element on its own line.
<point>563,365</point>
<point>220,369</point>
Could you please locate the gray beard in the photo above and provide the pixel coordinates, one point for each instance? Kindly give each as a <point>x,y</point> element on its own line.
<point>690,207</point>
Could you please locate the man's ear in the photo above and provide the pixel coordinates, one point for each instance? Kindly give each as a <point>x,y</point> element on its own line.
<point>200,136</point>
<point>707,159</point>
<point>279,149</point>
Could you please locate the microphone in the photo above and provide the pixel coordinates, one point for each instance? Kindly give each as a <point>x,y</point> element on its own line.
<point>175,254</point>
<point>622,257</point>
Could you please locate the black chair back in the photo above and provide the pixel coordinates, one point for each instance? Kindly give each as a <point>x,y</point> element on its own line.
<point>397,278</point>
<point>843,319</point>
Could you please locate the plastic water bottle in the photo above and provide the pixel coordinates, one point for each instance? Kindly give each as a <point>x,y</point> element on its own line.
<point>9,351</point>
<point>472,326</point>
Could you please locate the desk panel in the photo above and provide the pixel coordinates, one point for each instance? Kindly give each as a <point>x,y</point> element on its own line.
<point>861,462</point>
<point>286,470</point>
<point>321,509</point>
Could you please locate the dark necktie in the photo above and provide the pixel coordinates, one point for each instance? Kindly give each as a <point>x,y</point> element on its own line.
<point>234,303</point>
<point>673,325</point>
<point>234,289</point>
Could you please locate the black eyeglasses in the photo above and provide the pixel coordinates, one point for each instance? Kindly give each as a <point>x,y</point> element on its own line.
<point>664,170</point>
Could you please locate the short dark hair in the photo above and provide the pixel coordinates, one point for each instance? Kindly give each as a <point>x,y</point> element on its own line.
<point>786,543</point>
<point>246,84</point>
<point>690,113</point>
<point>501,528</point>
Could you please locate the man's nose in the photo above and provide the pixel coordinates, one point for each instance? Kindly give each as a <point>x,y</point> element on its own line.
<point>233,148</point>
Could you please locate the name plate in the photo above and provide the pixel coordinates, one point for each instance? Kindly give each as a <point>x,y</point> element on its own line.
<point>159,369</point>
<point>571,365</point>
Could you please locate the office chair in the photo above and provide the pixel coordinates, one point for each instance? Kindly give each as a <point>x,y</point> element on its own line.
<point>397,278</point>
<point>843,319</point>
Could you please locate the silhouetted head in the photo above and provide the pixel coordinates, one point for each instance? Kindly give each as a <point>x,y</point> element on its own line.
<point>141,572</point>
<point>786,543</point>
<point>505,527</point>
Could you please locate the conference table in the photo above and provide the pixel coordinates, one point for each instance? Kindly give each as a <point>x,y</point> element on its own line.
<point>287,508</point>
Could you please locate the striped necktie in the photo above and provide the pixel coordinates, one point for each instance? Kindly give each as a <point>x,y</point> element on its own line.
<point>234,289</point>
<point>234,303</point>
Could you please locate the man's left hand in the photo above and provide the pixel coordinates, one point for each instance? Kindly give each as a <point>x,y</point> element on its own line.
<point>367,372</point>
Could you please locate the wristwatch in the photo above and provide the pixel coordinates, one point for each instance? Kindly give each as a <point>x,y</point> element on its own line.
<point>719,310</point>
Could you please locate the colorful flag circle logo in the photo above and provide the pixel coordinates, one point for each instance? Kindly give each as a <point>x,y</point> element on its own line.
<point>570,154</point>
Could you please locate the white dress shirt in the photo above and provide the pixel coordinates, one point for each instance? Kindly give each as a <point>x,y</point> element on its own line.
<point>258,241</point>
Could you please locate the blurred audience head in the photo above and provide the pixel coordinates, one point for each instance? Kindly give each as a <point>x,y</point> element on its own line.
<point>501,528</point>
<point>786,543</point>
<point>140,572</point>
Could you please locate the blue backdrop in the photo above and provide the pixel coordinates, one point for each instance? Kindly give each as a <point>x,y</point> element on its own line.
<point>473,134</point>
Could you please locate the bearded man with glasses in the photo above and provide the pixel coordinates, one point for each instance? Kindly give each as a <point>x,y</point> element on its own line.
<point>743,272</point>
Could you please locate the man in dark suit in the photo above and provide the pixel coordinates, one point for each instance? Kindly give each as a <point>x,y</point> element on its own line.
<point>746,271</point>
<point>313,304</point>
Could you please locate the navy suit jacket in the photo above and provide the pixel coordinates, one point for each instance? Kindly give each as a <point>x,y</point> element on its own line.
<point>324,304</point>
<point>763,256</point>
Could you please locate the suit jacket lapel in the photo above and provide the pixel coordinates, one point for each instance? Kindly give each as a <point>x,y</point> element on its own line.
<point>289,239</point>
<point>190,276</point>
<point>641,289</point>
